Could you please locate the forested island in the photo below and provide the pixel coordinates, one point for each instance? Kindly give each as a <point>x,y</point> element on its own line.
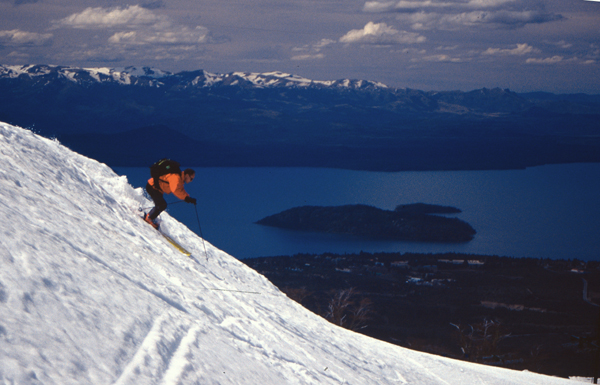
<point>520,313</point>
<point>412,222</point>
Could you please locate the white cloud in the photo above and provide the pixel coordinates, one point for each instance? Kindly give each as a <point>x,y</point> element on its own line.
<point>450,48</point>
<point>316,47</point>
<point>521,49</point>
<point>93,18</point>
<point>17,37</point>
<point>548,60</point>
<point>378,6</point>
<point>401,6</point>
<point>136,25</point>
<point>309,57</point>
<point>381,33</point>
<point>180,35</point>
<point>442,58</point>
<point>424,21</point>
<point>323,43</point>
<point>312,51</point>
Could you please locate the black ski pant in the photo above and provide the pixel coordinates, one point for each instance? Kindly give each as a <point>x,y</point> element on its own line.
<point>160,204</point>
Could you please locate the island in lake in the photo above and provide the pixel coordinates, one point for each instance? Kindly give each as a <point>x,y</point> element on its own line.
<point>412,222</point>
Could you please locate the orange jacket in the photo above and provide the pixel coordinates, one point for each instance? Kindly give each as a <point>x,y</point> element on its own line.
<point>171,183</point>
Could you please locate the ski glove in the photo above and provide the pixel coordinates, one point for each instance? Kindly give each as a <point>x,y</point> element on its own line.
<point>190,200</point>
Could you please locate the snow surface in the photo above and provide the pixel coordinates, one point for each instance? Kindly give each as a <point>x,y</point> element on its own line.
<point>90,294</point>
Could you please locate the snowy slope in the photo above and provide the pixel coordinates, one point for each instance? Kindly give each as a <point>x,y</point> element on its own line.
<point>90,294</point>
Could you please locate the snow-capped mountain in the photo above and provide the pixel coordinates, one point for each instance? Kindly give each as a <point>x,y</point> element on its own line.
<point>157,78</point>
<point>90,294</point>
<point>124,76</point>
<point>278,119</point>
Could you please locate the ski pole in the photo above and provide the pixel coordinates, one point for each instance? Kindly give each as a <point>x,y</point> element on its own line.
<point>201,236</point>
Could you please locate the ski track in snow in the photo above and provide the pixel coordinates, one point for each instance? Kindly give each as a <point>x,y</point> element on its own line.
<point>90,294</point>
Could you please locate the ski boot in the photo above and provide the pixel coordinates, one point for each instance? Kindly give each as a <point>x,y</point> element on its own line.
<point>150,221</point>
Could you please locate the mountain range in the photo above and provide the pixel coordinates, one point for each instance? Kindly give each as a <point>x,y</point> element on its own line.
<point>132,116</point>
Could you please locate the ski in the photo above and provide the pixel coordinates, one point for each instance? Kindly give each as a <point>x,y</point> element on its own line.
<point>176,245</point>
<point>173,242</point>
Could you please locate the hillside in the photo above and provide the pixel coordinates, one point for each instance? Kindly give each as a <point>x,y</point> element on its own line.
<point>517,313</point>
<point>90,294</point>
<point>277,119</point>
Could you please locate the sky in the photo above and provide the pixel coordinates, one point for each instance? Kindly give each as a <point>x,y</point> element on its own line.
<point>432,45</point>
<point>91,294</point>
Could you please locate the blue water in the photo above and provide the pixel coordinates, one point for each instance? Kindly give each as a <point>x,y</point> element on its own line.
<point>543,212</point>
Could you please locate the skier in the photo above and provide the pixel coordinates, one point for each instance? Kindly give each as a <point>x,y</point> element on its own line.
<point>168,183</point>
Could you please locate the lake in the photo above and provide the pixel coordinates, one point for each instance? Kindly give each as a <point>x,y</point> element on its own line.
<point>548,211</point>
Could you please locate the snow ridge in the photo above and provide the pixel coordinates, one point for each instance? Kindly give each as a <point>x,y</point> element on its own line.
<point>156,78</point>
<point>90,294</point>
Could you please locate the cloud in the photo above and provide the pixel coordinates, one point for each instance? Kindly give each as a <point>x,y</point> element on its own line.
<point>179,35</point>
<point>417,6</point>
<point>548,60</point>
<point>450,15</point>
<point>518,18</point>
<point>453,21</point>
<point>316,47</point>
<point>560,44</point>
<point>401,6</point>
<point>311,52</point>
<point>323,43</point>
<point>16,55</point>
<point>421,56</point>
<point>138,25</point>
<point>316,56</point>
<point>381,33</point>
<point>440,58</point>
<point>98,18</point>
<point>479,4</point>
<point>17,37</point>
<point>521,49</point>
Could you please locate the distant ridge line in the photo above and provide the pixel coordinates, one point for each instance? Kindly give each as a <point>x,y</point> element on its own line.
<point>129,75</point>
